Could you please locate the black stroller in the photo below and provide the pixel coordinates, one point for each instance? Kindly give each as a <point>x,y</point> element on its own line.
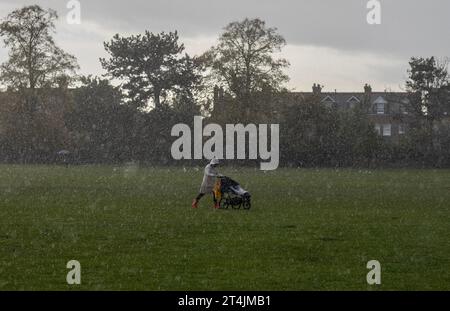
<point>231,194</point>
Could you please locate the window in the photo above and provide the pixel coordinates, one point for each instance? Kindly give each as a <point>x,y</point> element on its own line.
<point>328,101</point>
<point>403,106</point>
<point>380,105</point>
<point>380,108</point>
<point>352,102</point>
<point>378,129</point>
<point>401,129</point>
<point>386,130</point>
<point>403,110</point>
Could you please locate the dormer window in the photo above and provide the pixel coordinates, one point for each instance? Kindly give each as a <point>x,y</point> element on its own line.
<point>380,108</point>
<point>329,101</point>
<point>380,105</point>
<point>352,102</point>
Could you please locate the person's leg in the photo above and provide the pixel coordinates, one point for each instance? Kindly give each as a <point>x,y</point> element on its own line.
<point>195,202</point>
<point>216,203</point>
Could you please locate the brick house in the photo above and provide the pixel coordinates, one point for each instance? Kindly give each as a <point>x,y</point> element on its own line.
<point>387,110</point>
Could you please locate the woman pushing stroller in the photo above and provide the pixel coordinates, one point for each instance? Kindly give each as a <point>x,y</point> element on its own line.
<point>209,180</point>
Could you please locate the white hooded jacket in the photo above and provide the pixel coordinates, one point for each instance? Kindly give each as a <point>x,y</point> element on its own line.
<point>209,177</point>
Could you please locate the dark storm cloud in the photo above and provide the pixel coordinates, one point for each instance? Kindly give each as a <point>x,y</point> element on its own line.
<point>408,26</point>
<point>330,40</point>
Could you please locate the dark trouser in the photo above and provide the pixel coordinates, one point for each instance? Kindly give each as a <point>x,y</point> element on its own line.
<point>200,195</point>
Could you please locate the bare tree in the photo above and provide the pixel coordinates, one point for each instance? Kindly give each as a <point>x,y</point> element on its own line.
<point>244,61</point>
<point>34,59</point>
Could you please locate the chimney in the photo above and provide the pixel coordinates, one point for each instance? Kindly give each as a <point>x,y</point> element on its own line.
<point>317,89</point>
<point>367,89</point>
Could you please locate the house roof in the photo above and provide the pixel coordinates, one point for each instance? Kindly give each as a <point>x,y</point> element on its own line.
<point>343,99</point>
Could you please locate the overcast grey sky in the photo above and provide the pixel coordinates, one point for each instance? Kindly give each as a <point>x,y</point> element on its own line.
<point>329,41</point>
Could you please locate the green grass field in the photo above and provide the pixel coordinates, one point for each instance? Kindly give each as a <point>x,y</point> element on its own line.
<point>134,229</point>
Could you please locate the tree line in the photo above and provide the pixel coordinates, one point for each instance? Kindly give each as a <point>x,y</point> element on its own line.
<point>46,107</point>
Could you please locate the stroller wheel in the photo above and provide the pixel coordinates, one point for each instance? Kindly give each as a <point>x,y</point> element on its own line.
<point>224,204</point>
<point>247,204</point>
<point>237,204</point>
